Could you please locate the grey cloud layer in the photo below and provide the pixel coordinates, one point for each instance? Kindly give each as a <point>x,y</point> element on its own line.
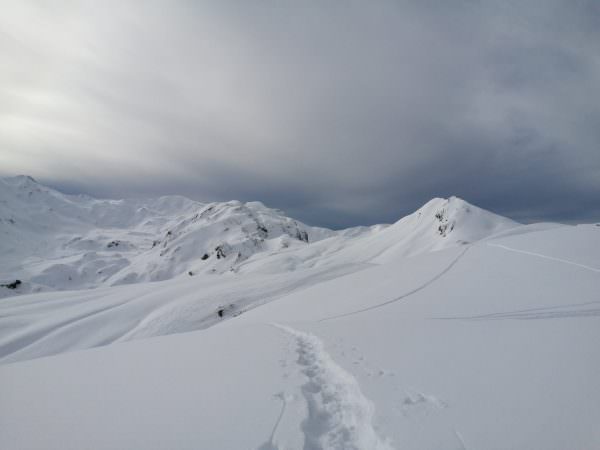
<point>337,112</point>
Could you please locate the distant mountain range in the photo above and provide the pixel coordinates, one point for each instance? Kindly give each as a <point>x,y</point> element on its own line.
<point>55,241</point>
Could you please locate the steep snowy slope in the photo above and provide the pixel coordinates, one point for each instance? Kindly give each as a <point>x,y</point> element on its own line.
<point>489,345</point>
<point>55,241</point>
<point>439,224</point>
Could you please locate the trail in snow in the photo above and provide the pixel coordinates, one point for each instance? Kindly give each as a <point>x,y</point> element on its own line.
<point>460,439</point>
<point>270,445</point>
<point>539,255</point>
<point>403,296</point>
<point>339,415</point>
<point>587,309</point>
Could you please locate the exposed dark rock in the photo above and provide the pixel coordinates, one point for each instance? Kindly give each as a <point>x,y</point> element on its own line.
<point>302,235</point>
<point>207,211</point>
<point>220,252</point>
<point>229,310</point>
<point>12,285</point>
<point>445,228</point>
<point>204,257</point>
<point>262,231</point>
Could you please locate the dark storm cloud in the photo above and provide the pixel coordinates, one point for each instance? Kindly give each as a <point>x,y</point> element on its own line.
<point>340,113</point>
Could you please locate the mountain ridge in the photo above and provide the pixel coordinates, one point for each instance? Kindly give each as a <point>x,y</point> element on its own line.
<point>56,241</point>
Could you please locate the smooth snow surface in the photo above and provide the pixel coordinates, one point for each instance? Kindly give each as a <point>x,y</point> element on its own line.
<point>453,328</point>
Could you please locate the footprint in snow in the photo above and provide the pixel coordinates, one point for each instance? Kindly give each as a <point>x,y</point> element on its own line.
<point>416,403</point>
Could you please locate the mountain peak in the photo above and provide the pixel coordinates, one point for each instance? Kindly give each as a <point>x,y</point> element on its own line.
<point>106,242</point>
<point>21,180</point>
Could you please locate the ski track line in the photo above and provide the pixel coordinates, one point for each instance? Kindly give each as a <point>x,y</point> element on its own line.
<point>270,445</point>
<point>460,439</point>
<point>539,255</point>
<point>587,309</point>
<point>403,296</point>
<point>339,415</point>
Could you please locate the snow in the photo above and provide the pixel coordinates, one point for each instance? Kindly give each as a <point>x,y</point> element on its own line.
<point>479,335</point>
<point>339,415</point>
<point>52,241</point>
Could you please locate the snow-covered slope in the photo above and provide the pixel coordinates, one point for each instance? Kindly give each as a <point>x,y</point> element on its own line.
<point>259,254</point>
<point>439,224</point>
<point>55,241</point>
<point>452,328</point>
<point>489,345</point>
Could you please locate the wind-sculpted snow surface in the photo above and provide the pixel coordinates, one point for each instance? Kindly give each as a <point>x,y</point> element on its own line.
<point>39,325</point>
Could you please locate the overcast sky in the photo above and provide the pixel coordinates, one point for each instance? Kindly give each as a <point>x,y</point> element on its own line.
<point>338,112</point>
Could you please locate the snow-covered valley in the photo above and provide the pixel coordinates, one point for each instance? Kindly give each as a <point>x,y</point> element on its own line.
<point>169,323</point>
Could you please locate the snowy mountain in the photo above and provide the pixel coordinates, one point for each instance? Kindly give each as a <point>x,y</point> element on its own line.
<point>452,328</point>
<point>53,241</point>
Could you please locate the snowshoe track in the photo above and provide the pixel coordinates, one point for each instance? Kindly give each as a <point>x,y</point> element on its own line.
<point>339,415</point>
